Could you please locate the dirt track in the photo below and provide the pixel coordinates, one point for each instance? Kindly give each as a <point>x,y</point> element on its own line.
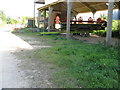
<point>17,69</point>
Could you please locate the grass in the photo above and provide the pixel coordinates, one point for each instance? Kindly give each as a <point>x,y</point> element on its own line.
<point>77,64</point>
<point>25,30</point>
<point>49,33</point>
<point>33,30</point>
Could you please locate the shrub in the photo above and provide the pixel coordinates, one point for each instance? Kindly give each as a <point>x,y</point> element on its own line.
<point>115,30</point>
<point>100,32</point>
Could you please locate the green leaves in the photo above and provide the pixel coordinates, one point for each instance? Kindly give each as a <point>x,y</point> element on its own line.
<point>115,30</point>
<point>2,15</point>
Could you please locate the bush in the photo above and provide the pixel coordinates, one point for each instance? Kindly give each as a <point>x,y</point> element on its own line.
<point>100,32</point>
<point>115,30</point>
<point>115,33</point>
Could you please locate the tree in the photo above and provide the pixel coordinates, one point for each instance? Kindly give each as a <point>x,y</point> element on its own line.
<point>24,19</point>
<point>2,15</point>
<point>9,20</point>
<point>14,21</point>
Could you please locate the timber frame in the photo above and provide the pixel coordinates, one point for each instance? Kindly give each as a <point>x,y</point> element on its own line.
<point>67,9</point>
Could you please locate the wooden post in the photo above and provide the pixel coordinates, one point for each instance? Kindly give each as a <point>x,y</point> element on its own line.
<point>49,18</point>
<point>93,16</point>
<point>109,23</point>
<point>69,7</point>
<point>44,18</point>
<point>119,27</point>
<point>34,17</point>
<point>39,15</point>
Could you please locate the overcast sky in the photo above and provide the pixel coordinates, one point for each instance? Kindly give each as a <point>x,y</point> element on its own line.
<point>16,8</point>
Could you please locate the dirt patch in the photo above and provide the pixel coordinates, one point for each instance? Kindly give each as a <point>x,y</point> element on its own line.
<point>94,39</point>
<point>36,71</point>
<point>19,67</point>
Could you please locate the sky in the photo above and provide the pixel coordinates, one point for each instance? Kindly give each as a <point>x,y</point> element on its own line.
<point>17,8</point>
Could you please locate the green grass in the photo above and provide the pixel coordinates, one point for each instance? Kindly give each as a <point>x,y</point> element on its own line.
<point>32,30</point>
<point>49,33</point>
<point>25,30</point>
<point>78,64</point>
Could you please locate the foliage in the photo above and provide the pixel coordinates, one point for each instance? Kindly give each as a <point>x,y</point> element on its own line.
<point>24,19</point>
<point>9,20</point>
<point>2,15</point>
<point>103,16</point>
<point>12,21</point>
<point>100,32</point>
<point>115,30</point>
<point>78,64</point>
<point>115,24</point>
<point>42,14</point>
<point>15,21</point>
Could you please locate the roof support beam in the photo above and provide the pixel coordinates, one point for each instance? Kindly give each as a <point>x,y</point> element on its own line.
<point>74,12</point>
<point>49,18</point>
<point>69,9</point>
<point>118,5</point>
<point>109,24</point>
<point>93,10</point>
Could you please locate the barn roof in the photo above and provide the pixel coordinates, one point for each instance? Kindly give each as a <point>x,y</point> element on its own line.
<point>79,7</point>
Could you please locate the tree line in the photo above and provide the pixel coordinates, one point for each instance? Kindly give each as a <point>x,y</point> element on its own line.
<point>8,20</point>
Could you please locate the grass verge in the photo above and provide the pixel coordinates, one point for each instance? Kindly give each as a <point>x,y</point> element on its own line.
<point>77,64</point>
<point>49,33</point>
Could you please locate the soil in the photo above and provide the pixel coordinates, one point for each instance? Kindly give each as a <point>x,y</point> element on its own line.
<point>94,39</point>
<point>19,69</point>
